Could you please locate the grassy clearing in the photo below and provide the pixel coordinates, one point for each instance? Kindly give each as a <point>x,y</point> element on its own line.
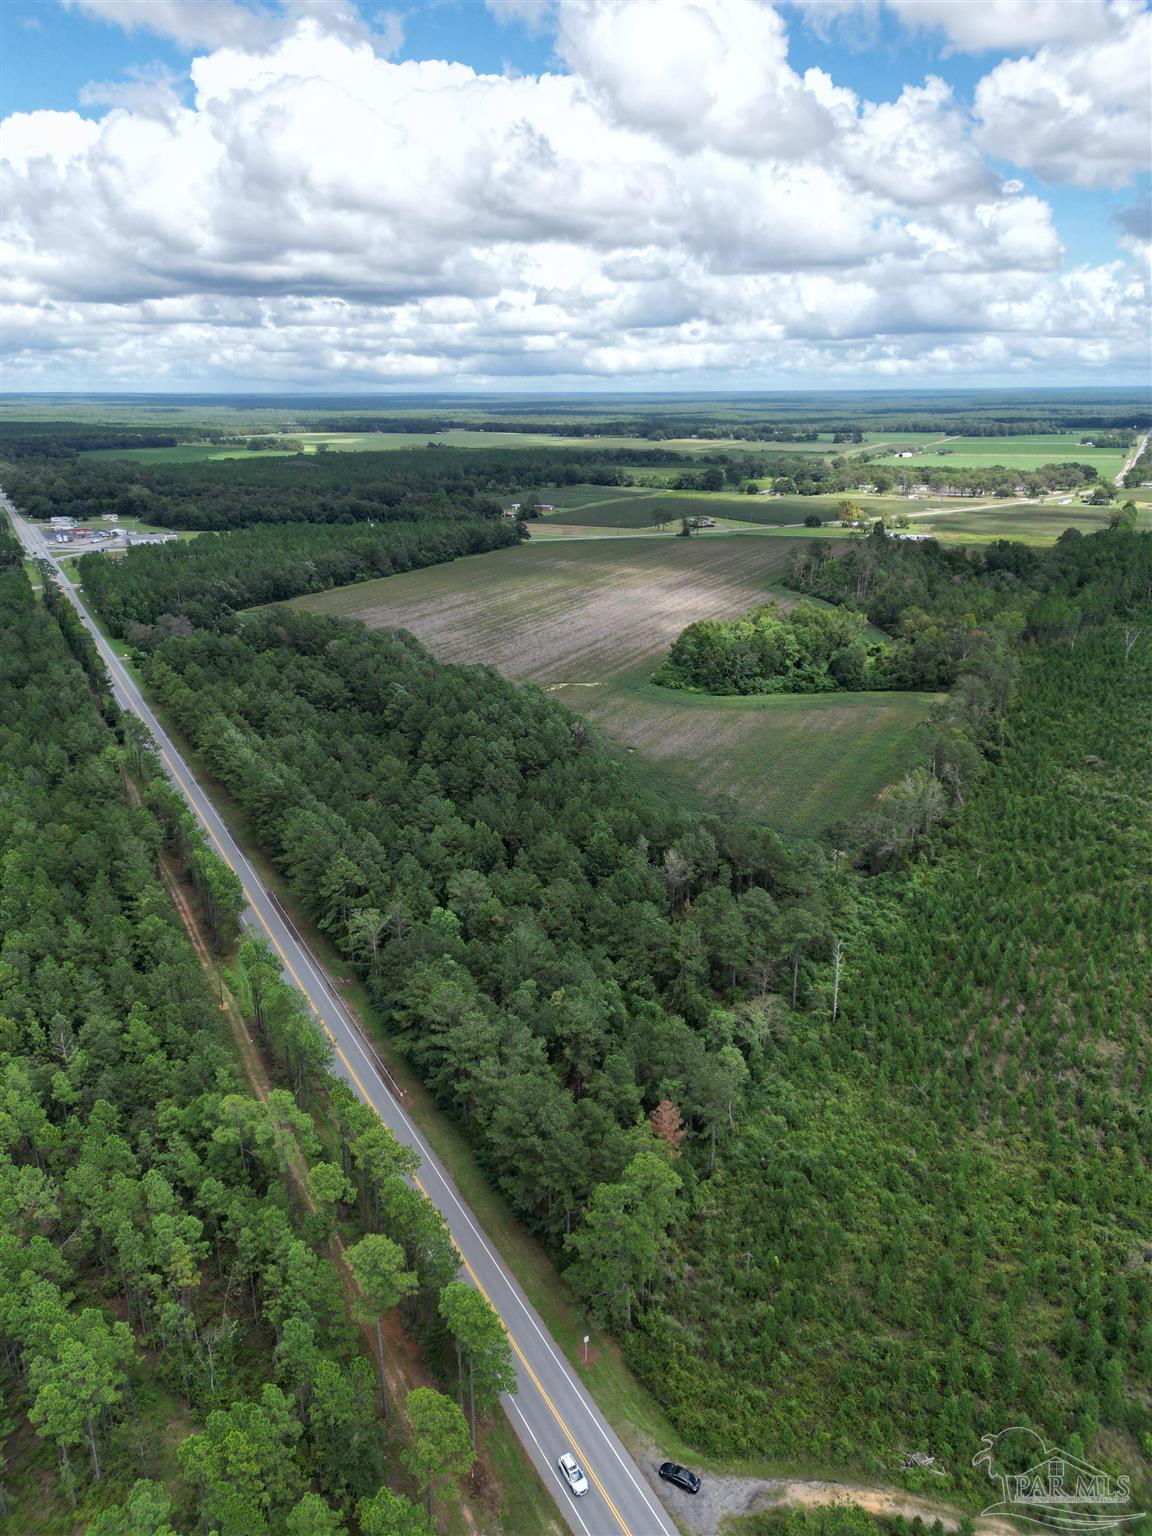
<point>1028,451</point>
<point>1030,522</point>
<point>589,621</point>
<point>453,437</point>
<point>184,453</point>
<point>602,506</point>
<point>802,762</point>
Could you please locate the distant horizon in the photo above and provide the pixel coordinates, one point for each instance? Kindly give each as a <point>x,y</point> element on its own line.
<point>516,196</point>
<point>1144,391</point>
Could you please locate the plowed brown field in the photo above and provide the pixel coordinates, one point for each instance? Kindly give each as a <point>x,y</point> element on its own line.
<point>589,620</point>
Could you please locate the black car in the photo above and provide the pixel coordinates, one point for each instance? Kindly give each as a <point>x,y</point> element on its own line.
<point>680,1477</point>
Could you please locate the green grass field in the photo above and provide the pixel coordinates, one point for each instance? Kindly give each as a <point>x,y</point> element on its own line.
<point>455,437</point>
<point>186,453</point>
<point>1024,452</point>
<point>1028,522</point>
<point>608,506</point>
<point>800,761</point>
<point>589,621</point>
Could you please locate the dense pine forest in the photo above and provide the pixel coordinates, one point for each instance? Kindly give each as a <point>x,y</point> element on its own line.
<point>317,487</point>
<point>203,581</point>
<point>934,1215</point>
<point>65,440</point>
<point>177,1341</point>
<point>855,1167</point>
<point>546,939</point>
<point>849,1144</point>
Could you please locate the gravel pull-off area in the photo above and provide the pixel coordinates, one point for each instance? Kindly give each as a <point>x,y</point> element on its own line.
<point>722,1496</point>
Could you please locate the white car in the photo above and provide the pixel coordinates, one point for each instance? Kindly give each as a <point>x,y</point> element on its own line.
<point>573,1473</point>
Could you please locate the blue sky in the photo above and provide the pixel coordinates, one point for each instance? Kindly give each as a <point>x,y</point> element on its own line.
<point>970,234</point>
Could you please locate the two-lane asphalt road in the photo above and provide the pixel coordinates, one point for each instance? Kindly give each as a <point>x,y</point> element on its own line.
<point>1141,444</point>
<point>551,1412</point>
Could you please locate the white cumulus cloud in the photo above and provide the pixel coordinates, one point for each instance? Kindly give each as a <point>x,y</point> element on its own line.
<point>1079,113</point>
<point>678,203</point>
<point>1006,25</point>
<point>976,26</point>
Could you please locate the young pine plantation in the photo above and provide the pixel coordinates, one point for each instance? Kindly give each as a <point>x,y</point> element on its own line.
<point>184,1259</point>
<point>855,1166</point>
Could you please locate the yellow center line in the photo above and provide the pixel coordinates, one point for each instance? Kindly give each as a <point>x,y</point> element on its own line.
<point>553,1410</point>
<point>520,1355</point>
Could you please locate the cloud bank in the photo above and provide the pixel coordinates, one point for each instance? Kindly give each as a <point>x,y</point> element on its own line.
<point>675,202</point>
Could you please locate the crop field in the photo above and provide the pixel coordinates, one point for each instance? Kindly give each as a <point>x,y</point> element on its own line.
<point>589,621</point>
<point>1030,522</point>
<point>606,506</point>
<point>453,437</point>
<point>610,506</point>
<point>1024,452</point>
<point>800,761</point>
<point>873,440</point>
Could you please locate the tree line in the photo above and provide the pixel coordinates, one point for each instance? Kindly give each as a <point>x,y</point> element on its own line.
<point>944,611</point>
<point>437,481</point>
<point>314,488</point>
<point>1141,470</point>
<point>729,1083</point>
<point>67,439</point>
<point>170,1307</point>
<point>158,588</point>
<point>551,945</point>
<point>812,475</point>
<point>928,1216</point>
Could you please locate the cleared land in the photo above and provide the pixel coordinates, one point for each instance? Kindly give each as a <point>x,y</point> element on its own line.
<point>1028,451</point>
<point>1030,522</point>
<point>591,509</point>
<point>453,437</point>
<point>588,621</point>
<point>610,506</point>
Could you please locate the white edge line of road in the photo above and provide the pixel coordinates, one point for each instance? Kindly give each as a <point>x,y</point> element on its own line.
<point>432,1163</point>
<point>548,1459</point>
<point>582,1394</point>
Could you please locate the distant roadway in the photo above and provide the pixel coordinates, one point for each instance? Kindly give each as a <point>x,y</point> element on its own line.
<point>1132,457</point>
<point>552,1411</point>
